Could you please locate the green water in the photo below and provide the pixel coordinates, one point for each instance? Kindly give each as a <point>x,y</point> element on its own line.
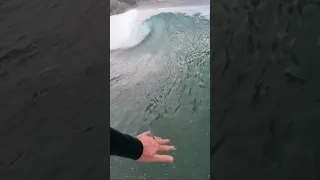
<point>163,85</point>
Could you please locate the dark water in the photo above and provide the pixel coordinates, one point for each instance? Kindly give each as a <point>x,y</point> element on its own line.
<point>265,89</point>
<point>163,85</point>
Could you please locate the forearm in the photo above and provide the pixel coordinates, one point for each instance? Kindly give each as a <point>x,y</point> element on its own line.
<point>124,145</point>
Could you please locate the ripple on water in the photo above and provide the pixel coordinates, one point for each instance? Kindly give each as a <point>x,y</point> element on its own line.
<point>164,86</point>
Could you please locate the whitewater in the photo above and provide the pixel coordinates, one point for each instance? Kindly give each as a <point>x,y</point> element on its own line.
<point>160,81</point>
<point>127,29</point>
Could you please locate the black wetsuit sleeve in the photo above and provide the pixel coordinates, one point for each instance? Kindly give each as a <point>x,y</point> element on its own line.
<point>124,145</point>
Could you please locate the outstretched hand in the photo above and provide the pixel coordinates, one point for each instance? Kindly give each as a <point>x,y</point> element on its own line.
<point>152,146</point>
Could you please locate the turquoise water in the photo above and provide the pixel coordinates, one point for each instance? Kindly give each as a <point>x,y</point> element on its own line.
<point>160,81</point>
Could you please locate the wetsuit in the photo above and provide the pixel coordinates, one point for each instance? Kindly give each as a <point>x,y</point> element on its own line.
<point>125,145</point>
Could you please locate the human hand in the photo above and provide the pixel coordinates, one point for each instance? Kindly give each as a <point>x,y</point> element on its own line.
<point>153,145</point>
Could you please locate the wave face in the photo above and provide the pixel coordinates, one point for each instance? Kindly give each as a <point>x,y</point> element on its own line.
<point>160,81</point>
<point>128,29</point>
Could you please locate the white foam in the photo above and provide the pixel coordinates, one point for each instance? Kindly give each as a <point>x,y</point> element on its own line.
<point>127,30</point>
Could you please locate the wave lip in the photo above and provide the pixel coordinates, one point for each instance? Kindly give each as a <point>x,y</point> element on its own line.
<point>128,29</point>
<point>123,30</point>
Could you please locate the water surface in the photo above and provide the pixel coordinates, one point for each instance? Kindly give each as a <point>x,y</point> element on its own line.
<point>160,81</point>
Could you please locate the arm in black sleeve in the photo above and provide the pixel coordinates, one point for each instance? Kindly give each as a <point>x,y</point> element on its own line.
<point>125,145</point>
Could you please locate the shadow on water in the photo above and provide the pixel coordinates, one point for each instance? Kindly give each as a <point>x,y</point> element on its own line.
<point>265,87</point>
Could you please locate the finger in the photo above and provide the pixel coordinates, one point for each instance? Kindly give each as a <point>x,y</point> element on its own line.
<point>162,141</point>
<point>164,148</point>
<point>148,133</point>
<point>162,158</point>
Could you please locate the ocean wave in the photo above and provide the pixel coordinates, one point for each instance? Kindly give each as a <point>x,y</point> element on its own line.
<point>134,27</point>
<point>162,82</point>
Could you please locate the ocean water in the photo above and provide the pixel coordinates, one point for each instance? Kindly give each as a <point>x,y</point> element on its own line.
<point>160,81</point>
